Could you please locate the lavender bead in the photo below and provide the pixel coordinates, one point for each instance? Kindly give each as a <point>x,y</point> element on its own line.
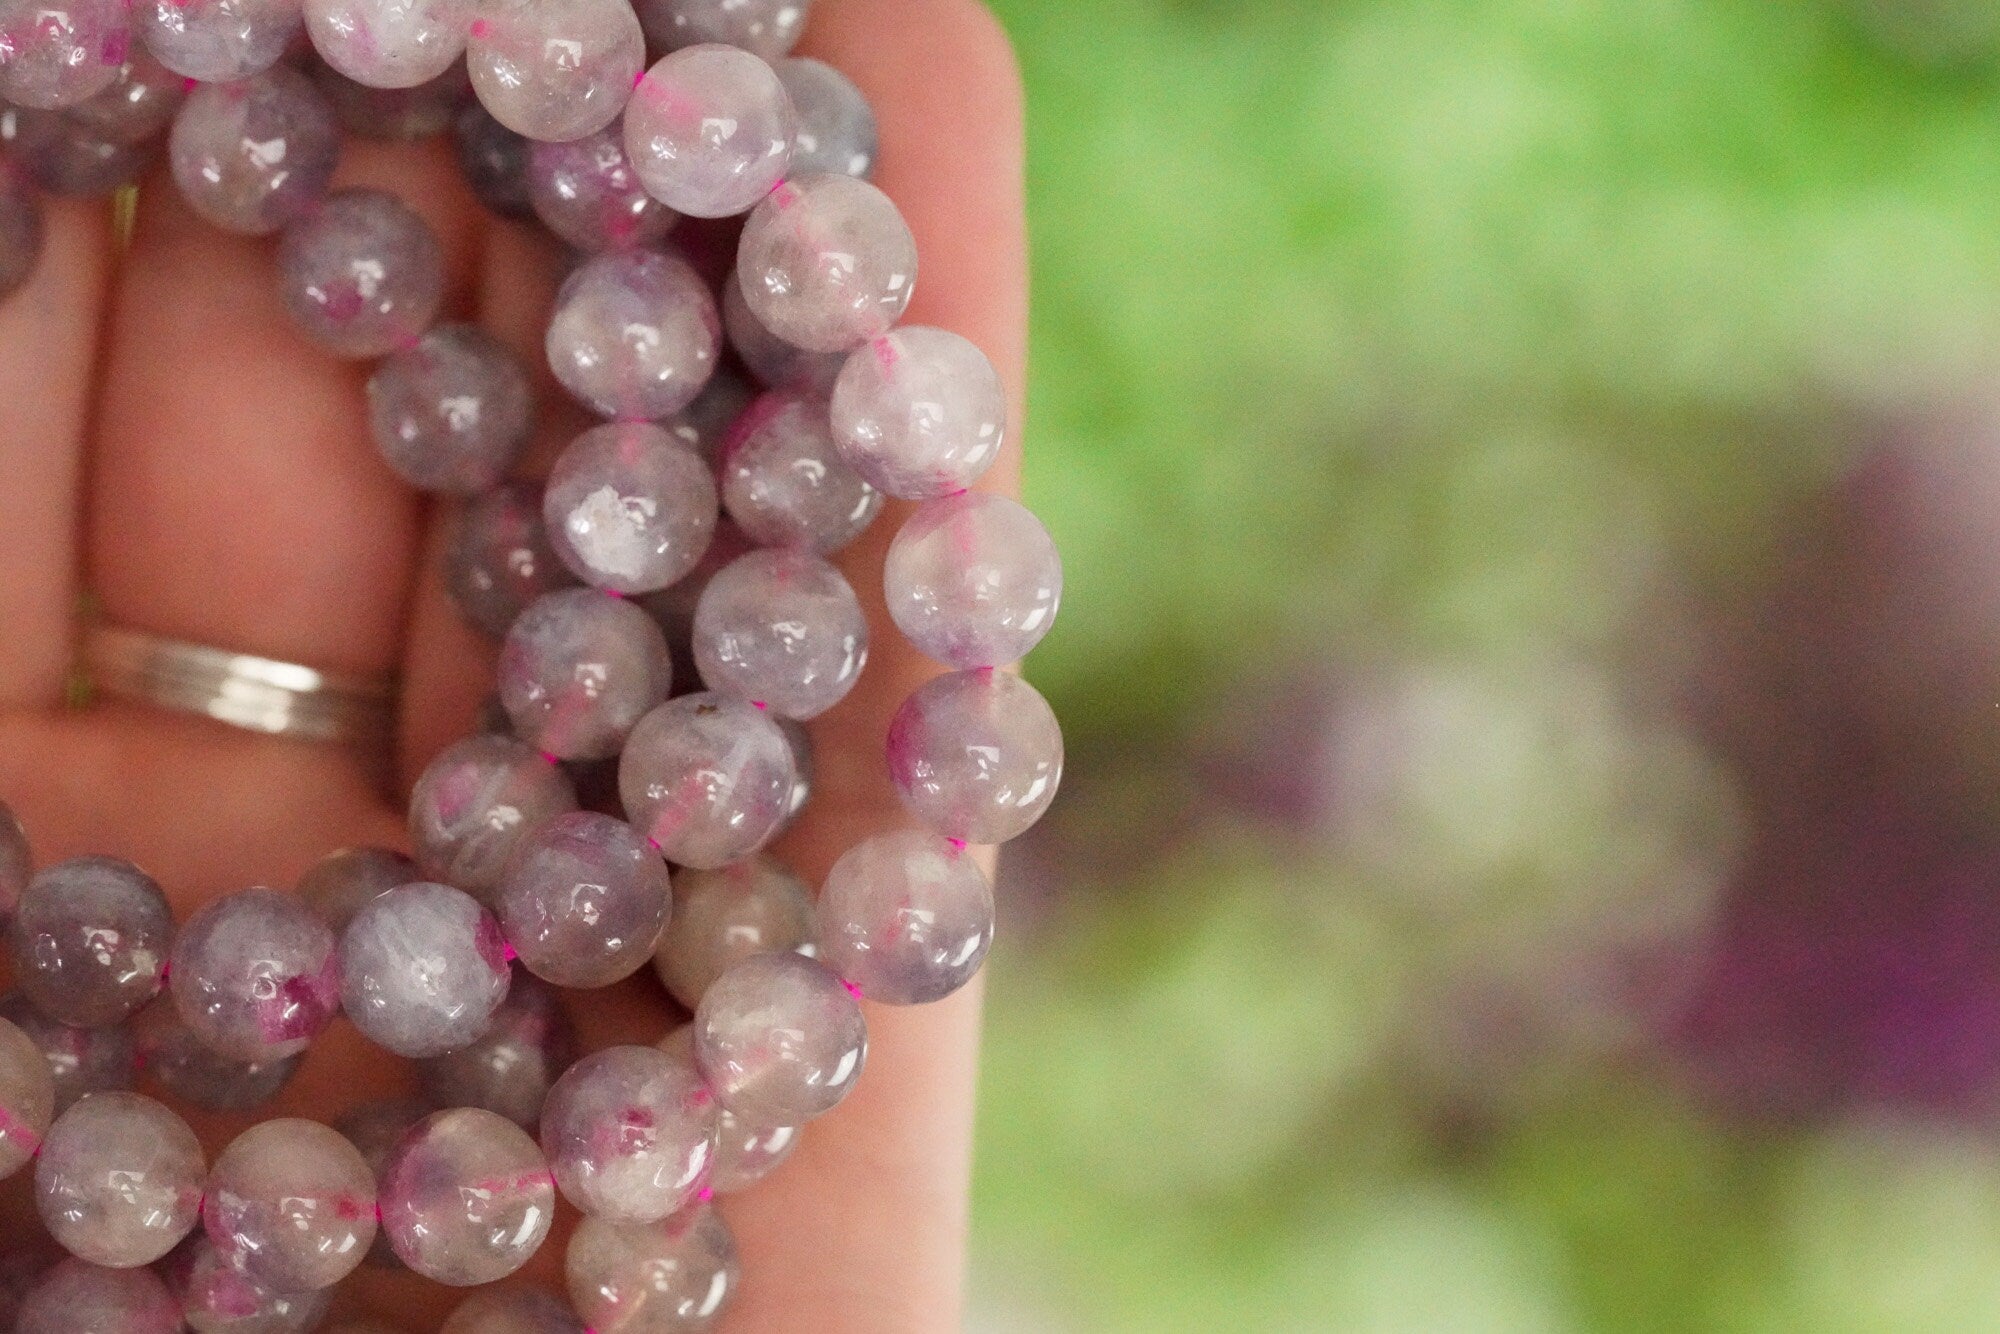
<point>17,860</point>
<point>476,801</point>
<point>907,917</point>
<point>65,158</point>
<point>511,1311</point>
<point>919,412</point>
<point>80,1060</point>
<point>578,670</point>
<point>770,358</point>
<point>466,1198</point>
<point>586,192</point>
<point>494,162</point>
<point>724,916</point>
<point>555,69</point>
<point>529,1043</point>
<point>629,1132</point>
<point>254,975</point>
<point>453,412</point>
<point>23,1263</point>
<point>706,778</point>
<point>973,580</point>
<point>836,125</point>
<point>119,1180</point>
<point>253,155</point>
<point>292,1204</point>
<point>634,335</point>
<point>191,1071</point>
<point>422,969</point>
<point>584,900</point>
<point>784,483</point>
<point>745,1153</point>
<point>363,275</point>
<point>27,1099</point>
<point>216,1298</point>
<point>342,883</point>
<point>217,41</point>
<point>137,107</point>
<point>397,114</point>
<point>703,425</point>
<point>779,1039</point>
<point>976,755</point>
<point>375,1129</point>
<point>629,508</point>
<point>57,53</point>
<point>389,43</point>
<point>782,629</point>
<point>90,940</point>
<point>652,1278</point>
<point>499,558</point>
<point>803,765</point>
<point>709,130</point>
<point>767,27</point>
<point>827,263</point>
<point>80,1298</point>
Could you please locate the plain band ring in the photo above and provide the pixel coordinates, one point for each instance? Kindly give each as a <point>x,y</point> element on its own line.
<point>241,689</point>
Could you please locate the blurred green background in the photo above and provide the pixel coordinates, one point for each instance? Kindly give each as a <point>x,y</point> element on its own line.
<point>1436,401</point>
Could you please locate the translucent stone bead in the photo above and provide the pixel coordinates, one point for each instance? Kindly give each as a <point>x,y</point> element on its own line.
<point>510,1068</point>
<point>422,969</point>
<point>17,860</point>
<point>255,975</point>
<point>555,69</point>
<point>907,917</point>
<point>769,28</point>
<point>724,916</point>
<point>919,412</point>
<point>342,883</point>
<point>217,41</point>
<point>66,159</point>
<point>57,53</point>
<point>216,1298</point>
<point>703,425</point>
<point>292,1204</point>
<point>118,1182</point>
<point>452,412</point>
<point>827,263</point>
<point>499,559</point>
<point>745,1153</point>
<point>709,130</point>
<point>706,778</point>
<point>193,1072</point>
<point>90,941</point>
<point>362,275</point>
<point>634,335</point>
<point>836,125</point>
<point>466,1197</point>
<point>389,43</point>
<point>578,670</point>
<point>80,1298</point>
<point>783,481</point>
<point>253,155</point>
<point>137,107</point>
<point>770,358</point>
<point>586,192</point>
<point>399,115</point>
<point>803,765</point>
<point>779,1039</point>
<point>976,755</point>
<point>629,1132</point>
<point>512,1311</point>
<point>27,1098</point>
<point>80,1060</point>
<point>476,801</point>
<point>375,1129</point>
<point>494,161</point>
<point>584,900</point>
<point>973,580</point>
<point>629,508</point>
<point>652,1278</point>
<point>783,629</point>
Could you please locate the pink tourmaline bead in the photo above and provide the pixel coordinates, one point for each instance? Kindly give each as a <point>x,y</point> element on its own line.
<point>399,115</point>
<point>652,1278</point>
<point>478,799</point>
<point>90,940</point>
<point>494,161</point>
<point>118,1182</point>
<point>217,1298</point>
<point>783,481</point>
<point>919,412</point>
<point>836,125</point>
<point>779,1039</point>
<point>251,156</point>
<point>422,969</point>
<point>703,425</point>
<point>27,1099</point>
<point>709,130</point>
<point>466,1197</point>
<point>80,1060</point>
<point>907,917</point>
<point>768,27</point>
<point>801,743</point>
<point>630,508</point>
<point>745,1153</point>
<point>584,900</point>
<point>724,916</point>
<point>137,107</point>
<point>770,358</point>
<point>586,192</point>
<point>453,411</point>
<point>375,1129</point>
<point>706,778</point>
<point>634,335</point>
<point>193,1072</point>
<point>57,53</point>
<point>578,670</point>
<point>973,580</point>
<point>629,1132</point>
<point>362,275</point>
<point>781,628</point>
<point>389,43</point>
<point>24,1262</point>
<point>76,1297</point>
<point>255,975</point>
<point>342,883</point>
<point>512,1311</point>
<point>976,756</point>
<point>555,69</point>
<point>529,1043</point>
<point>827,263</point>
<point>64,158</point>
<point>17,861</point>
<point>216,41</point>
<point>292,1204</point>
<point>499,558</point>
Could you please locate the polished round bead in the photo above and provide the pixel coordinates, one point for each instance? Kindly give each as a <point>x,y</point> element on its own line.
<point>512,1311</point>
<point>499,559</point>
<point>836,125</point>
<point>64,158</point>
<point>27,1098</point>
<point>529,1042</point>
<point>709,130</point>
<point>919,412</point>
<point>706,778</point>
<point>24,1262</point>
<point>745,1153</point>
<point>803,765</point>
<point>578,670</point>
<point>17,860</point>
<point>555,69</point>
<point>80,1060</point>
<point>629,1132</point>
<point>398,115</point>
<point>58,53</point>
<point>907,917</point>
<point>253,155</point>
<point>342,883</point>
<point>476,801</point>
<point>90,941</point>
<point>634,334</point>
<point>255,975</point>
<point>375,1129</point>
<point>362,275</point>
<point>119,1180</point>
<point>827,262</point>
<point>703,425</point>
<point>292,1204</point>
<point>193,1072</point>
<point>453,411</point>
<point>137,107</point>
<point>586,192</point>
<point>494,161</point>
<point>629,508</point>
<point>973,580</point>
<point>218,1298</point>
<point>724,916</point>
<point>584,900</point>
<point>781,628</point>
<point>976,755</point>
<point>776,363</point>
<point>217,41</point>
<point>767,27</point>
<point>422,969</point>
<point>466,1197</point>
<point>652,1278</point>
<point>784,484</point>
<point>389,43</point>
<point>76,1297</point>
<point>779,1039</point>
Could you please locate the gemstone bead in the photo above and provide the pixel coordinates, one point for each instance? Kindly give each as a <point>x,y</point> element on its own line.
<point>292,1204</point>
<point>586,192</point>
<point>529,1043</point>
<point>706,778</point>
<point>973,580</point>
<point>836,125</point>
<point>555,69</point>
<point>362,275</point>
<point>745,1153</point>
<point>703,425</point>
<point>17,860</point>
<point>137,107</point>
<point>629,1132</point>
<point>397,115</point>
<point>724,916</point>
<point>118,1182</point>
<point>64,158</point>
<point>907,917</point>
<point>476,801</point>
<point>340,884</point>
<point>770,358</point>
<point>512,1311</point>
<point>827,263</point>
<point>494,161</point>
<point>251,156</point>
<point>217,1298</point>
<point>217,41</point>
<point>802,766</point>
<point>254,975</point>
<point>466,1197</point>
<point>767,27</point>
<point>634,334</point>
<point>779,1039</point>
<point>27,1098</point>
<point>389,43</point>
<point>375,1129</point>
<point>919,412</point>
<point>976,755</point>
<point>584,900</point>
<point>709,130</point>
<point>57,53</point>
<point>191,1071</point>
<point>652,1278</point>
<point>781,628</point>
<point>76,1297</point>
<point>422,969</point>
<point>784,483</point>
<point>80,1060</point>
<point>23,1264</point>
<point>578,670</point>
<point>453,411</point>
<point>90,941</point>
<point>499,558</point>
<point>629,508</point>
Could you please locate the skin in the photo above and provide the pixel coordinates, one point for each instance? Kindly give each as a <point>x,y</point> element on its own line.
<point>174,447</point>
